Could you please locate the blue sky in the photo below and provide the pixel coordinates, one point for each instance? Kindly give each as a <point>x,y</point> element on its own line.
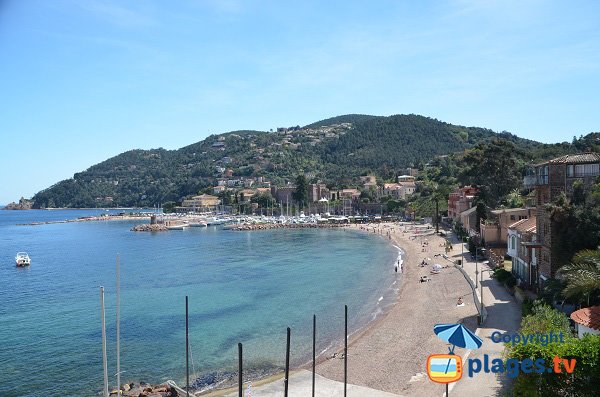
<point>82,81</point>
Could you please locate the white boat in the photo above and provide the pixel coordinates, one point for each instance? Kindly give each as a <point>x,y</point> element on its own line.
<point>197,224</point>
<point>175,226</point>
<point>22,259</point>
<point>214,221</point>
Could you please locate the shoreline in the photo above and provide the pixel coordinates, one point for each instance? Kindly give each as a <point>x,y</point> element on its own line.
<point>390,353</point>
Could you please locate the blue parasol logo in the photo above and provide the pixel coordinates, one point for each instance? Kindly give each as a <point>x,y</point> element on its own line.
<point>457,335</point>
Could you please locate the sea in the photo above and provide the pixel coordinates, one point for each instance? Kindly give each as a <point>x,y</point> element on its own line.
<point>242,286</point>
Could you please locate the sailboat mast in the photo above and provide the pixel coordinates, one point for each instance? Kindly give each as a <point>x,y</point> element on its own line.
<point>104,363</point>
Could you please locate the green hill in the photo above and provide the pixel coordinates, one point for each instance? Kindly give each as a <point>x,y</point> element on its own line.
<point>336,151</point>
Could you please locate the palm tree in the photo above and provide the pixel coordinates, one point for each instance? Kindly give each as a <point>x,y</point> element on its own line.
<point>582,274</point>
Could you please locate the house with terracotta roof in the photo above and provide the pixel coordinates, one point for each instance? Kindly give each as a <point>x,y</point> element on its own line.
<point>460,200</point>
<point>587,320</point>
<point>553,178</point>
<point>521,235</point>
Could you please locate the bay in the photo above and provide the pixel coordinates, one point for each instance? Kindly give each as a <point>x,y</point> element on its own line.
<point>243,287</point>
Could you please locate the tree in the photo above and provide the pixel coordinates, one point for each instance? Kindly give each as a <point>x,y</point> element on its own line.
<point>582,275</point>
<point>493,165</point>
<point>586,351</point>
<point>301,193</point>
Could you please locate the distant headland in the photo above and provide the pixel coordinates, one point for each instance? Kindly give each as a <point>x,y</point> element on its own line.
<point>23,204</point>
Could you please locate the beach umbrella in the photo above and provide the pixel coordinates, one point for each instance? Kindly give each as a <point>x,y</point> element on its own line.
<point>457,335</point>
<point>437,267</point>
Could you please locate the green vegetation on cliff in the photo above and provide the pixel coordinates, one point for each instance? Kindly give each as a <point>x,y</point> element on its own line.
<point>336,151</point>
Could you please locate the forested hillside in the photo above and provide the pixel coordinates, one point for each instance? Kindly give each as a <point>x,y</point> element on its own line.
<point>336,151</point>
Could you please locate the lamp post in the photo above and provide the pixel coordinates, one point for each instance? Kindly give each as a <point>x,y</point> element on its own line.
<point>476,271</point>
<point>462,251</point>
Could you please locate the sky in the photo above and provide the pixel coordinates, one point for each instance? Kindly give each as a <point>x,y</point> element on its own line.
<point>82,81</point>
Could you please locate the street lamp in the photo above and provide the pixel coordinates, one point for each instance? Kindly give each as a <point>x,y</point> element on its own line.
<point>476,271</point>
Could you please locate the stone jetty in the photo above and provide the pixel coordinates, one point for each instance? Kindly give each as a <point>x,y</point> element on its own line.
<point>157,227</point>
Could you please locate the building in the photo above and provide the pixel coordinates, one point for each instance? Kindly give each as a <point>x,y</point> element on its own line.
<point>587,320</point>
<point>407,187</point>
<point>317,191</point>
<point>553,178</point>
<point>521,236</point>
<point>283,194</point>
<point>460,200</point>
<point>369,181</point>
<point>494,230</point>
<point>352,194</point>
<point>398,191</point>
<point>468,218</point>
<point>201,203</point>
<point>406,178</point>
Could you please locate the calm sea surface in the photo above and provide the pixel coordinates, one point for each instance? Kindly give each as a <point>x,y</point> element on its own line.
<point>242,286</point>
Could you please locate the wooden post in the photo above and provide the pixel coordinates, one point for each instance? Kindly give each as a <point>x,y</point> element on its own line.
<point>240,382</point>
<point>187,350</point>
<point>118,327</point>
<point>345,348</point>
<point>287,364</point>
<point>314,353</point>
<point>104,360</point>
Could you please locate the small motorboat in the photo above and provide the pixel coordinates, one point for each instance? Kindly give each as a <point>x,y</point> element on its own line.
<point>22,259</point>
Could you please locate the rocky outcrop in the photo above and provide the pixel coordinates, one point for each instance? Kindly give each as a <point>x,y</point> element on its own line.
<point>145,390</point>
<point>149,228</point>
<point>23,204</point>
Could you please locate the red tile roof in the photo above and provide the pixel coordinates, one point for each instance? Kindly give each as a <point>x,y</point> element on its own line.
<point>577,158</point>
<point>588,317</point>
<point>524,225</point>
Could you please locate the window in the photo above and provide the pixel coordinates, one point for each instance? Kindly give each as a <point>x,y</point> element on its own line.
<point>512,217</point>
<point>513,242</point>
<point>586,169</point>
<point>570,170</point>
<point>543,175</point>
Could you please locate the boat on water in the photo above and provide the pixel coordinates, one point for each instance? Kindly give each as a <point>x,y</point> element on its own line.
<point>22,259</point>
<point>197,224</point>
<point>179,226</point>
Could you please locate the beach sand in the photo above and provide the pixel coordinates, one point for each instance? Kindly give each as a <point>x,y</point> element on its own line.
<point>391,354</point>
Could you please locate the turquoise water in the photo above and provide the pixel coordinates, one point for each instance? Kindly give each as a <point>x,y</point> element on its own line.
<point>242,286</point>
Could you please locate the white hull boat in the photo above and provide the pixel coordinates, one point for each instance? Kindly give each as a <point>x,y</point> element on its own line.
<point>22,259</point>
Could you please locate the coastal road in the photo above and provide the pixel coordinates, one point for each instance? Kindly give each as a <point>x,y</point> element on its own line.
<point>504,315</point>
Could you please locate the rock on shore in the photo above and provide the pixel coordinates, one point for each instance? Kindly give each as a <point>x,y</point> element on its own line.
<point>149,228</point>
<point>23,204</point>
<point>145,390</point>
